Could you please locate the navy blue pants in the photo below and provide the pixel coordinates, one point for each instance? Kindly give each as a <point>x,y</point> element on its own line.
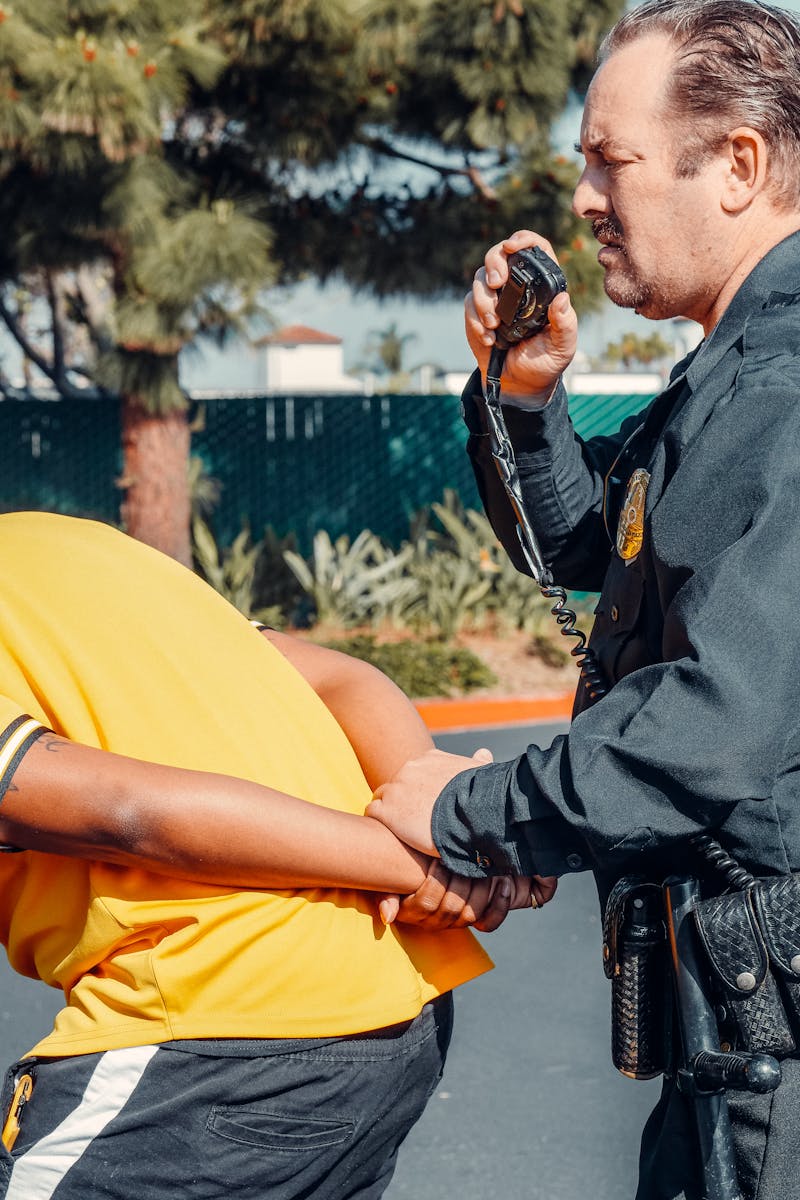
<point>226,1120</point>
<point>766,1132</point>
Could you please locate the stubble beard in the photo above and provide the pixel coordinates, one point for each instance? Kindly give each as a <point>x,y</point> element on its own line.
<point>622,284</point>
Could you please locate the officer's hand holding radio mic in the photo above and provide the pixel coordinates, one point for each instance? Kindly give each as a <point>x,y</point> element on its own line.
<point>534,363</point>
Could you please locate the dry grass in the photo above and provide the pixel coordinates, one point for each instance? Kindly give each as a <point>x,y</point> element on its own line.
<point>519,671</point>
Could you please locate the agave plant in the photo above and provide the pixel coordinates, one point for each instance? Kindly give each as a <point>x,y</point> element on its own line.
<point>353,583</point>
<point>499,593</point>
<point>450,593</point>
<point>231,572</point>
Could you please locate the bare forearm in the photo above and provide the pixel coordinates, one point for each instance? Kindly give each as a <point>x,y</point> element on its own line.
<point>384,729</point>
<point>378,719</point>
<point>86,803</point>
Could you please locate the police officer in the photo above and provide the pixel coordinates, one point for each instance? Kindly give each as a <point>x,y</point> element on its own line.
<point>687,521</point>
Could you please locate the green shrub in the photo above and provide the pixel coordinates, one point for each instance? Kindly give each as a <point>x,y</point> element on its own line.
<point>469,581</point>
<point>549,651</point>
<point>421,668</point>
<point>275,586</point>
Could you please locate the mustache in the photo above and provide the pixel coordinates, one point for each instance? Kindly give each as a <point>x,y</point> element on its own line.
<point>607,229</point>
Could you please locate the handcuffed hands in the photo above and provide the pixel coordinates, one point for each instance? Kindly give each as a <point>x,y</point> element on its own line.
<point>447,901</point>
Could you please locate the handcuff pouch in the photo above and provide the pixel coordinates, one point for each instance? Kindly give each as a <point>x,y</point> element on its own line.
<point>745,987</point>
<point>776,902</point>
<point>635,960</point>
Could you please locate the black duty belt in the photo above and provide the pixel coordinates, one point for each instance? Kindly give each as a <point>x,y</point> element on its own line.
<point>748,949</point>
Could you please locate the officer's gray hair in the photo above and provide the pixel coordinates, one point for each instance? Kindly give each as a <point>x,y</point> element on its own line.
<point>737,63</point>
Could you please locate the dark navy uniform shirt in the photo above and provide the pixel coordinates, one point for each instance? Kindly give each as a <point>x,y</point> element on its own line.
<point>698,633</point>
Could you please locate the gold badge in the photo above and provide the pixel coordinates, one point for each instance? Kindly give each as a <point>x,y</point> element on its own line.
<point>630,530</point>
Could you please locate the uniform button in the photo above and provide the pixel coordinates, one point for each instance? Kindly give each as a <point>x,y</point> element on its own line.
<point>574,861</point>
<point>614,613</point>
<point>482,860</point>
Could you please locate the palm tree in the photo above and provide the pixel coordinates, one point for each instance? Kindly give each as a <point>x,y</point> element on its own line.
<point>389,347</point>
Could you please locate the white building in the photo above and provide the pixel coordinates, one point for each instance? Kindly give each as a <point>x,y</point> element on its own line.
<point>613,383</point>
<point>429,379</point>
<point>299,359</point>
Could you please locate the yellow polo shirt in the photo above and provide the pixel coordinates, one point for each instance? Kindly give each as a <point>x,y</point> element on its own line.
<point>114,645</point>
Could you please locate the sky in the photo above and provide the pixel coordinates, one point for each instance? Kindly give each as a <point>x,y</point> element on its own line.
<point>437,328</point>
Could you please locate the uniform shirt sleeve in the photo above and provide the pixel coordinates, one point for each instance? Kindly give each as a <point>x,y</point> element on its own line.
<point>695,741</point>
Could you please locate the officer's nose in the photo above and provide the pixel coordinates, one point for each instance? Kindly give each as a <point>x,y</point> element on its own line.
<point>590,198</point>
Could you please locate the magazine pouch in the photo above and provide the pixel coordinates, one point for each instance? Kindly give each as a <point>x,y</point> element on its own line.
<point>740,975</point>
<point>777,906</point>
<point>635,960</point>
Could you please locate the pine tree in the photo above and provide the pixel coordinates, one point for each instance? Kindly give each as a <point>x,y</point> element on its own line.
<point>163,161</point>
<point>89,96</point>
<point>334,98</point>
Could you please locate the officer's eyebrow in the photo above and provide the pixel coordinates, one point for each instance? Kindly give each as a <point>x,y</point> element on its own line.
<point>592,145</point>
<point>599,145</point>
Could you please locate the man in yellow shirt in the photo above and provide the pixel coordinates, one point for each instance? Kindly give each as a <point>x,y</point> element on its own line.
<point>197,875</point>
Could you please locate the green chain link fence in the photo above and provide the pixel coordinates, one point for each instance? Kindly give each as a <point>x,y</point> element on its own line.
<point>295,463</point>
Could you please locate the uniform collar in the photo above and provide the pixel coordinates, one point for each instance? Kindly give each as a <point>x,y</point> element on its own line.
<point>775,276</point>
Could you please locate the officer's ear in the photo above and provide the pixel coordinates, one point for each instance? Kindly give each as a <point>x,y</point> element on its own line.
<point>745,169</point>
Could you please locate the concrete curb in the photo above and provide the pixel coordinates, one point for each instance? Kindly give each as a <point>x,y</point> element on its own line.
<point>442,716</point>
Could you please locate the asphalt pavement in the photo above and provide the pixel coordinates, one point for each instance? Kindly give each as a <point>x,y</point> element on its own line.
<point>529,1106</point>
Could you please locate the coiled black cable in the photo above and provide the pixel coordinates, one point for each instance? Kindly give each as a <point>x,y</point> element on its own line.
<point>502,452</point>
<point>736,876</point>
<point>591,672</point>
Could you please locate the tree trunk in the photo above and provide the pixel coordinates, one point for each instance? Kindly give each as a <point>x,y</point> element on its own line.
<point>155,475</point>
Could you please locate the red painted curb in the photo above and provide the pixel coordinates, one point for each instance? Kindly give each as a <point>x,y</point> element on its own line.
<point>469,713</point>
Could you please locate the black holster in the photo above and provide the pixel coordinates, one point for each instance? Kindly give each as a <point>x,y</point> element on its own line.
<point>635,960</point>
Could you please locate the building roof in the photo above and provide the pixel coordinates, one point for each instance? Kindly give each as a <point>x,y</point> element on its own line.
<point>299,335</point>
